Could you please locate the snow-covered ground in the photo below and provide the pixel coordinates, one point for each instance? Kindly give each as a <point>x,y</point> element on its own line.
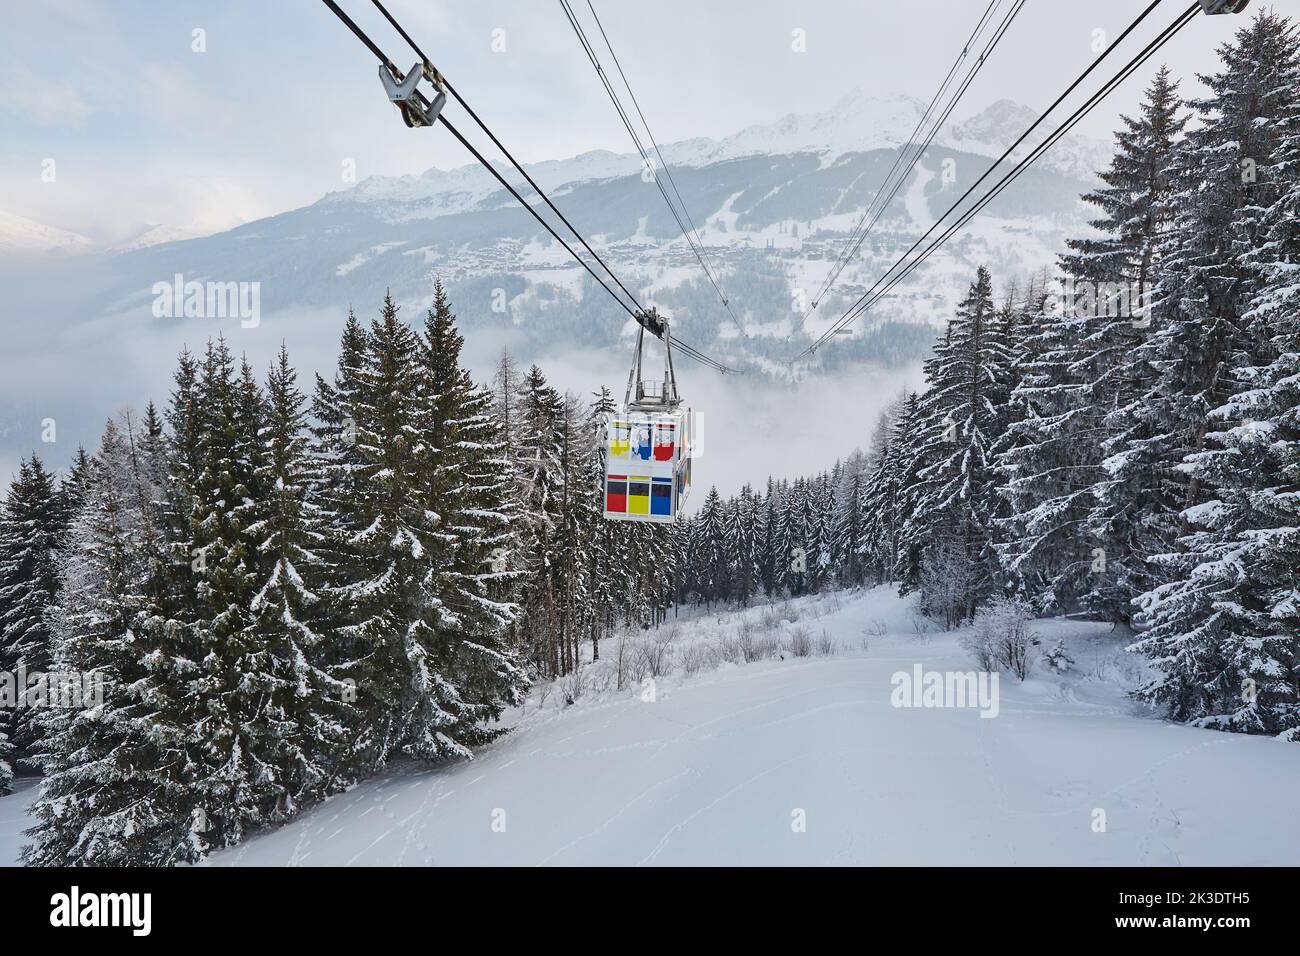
<point>804,760</point>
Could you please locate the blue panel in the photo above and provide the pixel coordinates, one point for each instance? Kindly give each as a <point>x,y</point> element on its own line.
<point>661,497</point>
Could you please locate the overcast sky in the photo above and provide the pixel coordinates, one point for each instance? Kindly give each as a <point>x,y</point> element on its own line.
<point>143,129</point>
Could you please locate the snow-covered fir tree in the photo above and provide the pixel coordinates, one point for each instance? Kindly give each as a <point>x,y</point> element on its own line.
<point>951,508</point>
<point>1138,212</point>
<point>121,784</point>
<point>31,535</point>
<point>1223,628</point>
<point>302,706</point>
<point>884,555</point>
<point>469,486</point>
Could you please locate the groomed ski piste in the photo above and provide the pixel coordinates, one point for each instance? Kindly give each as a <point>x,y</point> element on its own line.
<point>805,758</point>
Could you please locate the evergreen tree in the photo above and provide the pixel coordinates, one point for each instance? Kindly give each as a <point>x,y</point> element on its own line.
<point>31,535</point>
<point>603,545</point>
<point>710,549</point>
<point>952,507</point>
<point>536,449</point>
<point>884,501</point>
<point>468,487</point>
<point>850,527</point>
<point>395,625</point>
<point>1223,629</point>
<point>121,786</point>
<point>301,725</point>
<point>1138,212</point>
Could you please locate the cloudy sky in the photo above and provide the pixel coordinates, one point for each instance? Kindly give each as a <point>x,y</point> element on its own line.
<point>145,130</point>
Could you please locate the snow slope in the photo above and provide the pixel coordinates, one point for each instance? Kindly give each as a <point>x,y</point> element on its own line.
<point>717,767</point>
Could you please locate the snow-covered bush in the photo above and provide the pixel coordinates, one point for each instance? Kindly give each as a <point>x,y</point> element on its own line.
<point>1000,638</point>
<point>573,685</point>
<point>753,643</point>
<point>801,644</point>
<point>824,645</point>
<point>948,579</point>
<point>698,655</point>
<point>1057,659</point>
<point>656,651</point>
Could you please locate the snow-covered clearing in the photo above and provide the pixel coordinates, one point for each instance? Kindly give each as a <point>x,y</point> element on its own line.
<point>804,760</point>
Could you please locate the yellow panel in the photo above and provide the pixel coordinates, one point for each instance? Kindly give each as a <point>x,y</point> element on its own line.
<point>637,504</point>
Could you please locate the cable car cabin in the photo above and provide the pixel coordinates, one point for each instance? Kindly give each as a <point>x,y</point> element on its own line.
<point>647,464</point>
<point>648,443</point>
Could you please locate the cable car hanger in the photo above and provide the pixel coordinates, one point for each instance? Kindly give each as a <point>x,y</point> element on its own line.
<point>646,400</point>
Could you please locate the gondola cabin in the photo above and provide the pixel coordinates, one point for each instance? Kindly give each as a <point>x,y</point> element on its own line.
<point>648,442</point>
<point>647,464</point>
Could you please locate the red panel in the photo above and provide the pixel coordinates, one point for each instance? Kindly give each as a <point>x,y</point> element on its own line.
<point>616,503</point>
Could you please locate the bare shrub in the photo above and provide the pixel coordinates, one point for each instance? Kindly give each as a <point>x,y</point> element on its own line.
<point>764,647</point>
<point>979,645</point>
<point>948,578</point>
<point>573,685</point>
<point>600,677</point>
<point>636,663</point>
<point>656,650</point>
<point>1001,637</point>
<point>697,656</point>
<point>621,659</point>
<point>754,645</point>
<point>877,628</point>
<point>774,615</point>
<point>920,623</point>
<point>746,637</point>
<point>801,644</point>
<point>729,649</point>
<point>824,645</point>
<point>543,693</point>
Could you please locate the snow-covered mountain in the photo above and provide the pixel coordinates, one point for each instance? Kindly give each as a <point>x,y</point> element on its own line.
<point>774,205</point>
<point>19,235</point>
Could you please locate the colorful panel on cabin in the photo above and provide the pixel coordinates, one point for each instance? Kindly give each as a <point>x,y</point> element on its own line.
<point>665,441</point>
<point>616,494</point>
<point>620,439</point>
<point>661,497</point>
<point>638,496</point>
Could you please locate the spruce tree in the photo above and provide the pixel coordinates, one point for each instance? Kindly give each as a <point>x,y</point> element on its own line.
<point>1137,203</point>
<point>710,549</point>
<point>468,485</point>
<point>301,730</point>
<point>121,785</point>
<point>952,507</point>
<point>536,450</point>
<point>1223,630</point>
<point>31,536</point>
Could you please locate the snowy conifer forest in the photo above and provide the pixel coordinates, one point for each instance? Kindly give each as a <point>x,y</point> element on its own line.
<point>296,588</point>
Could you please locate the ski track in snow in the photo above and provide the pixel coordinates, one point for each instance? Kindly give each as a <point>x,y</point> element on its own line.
<point>719,765</point>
